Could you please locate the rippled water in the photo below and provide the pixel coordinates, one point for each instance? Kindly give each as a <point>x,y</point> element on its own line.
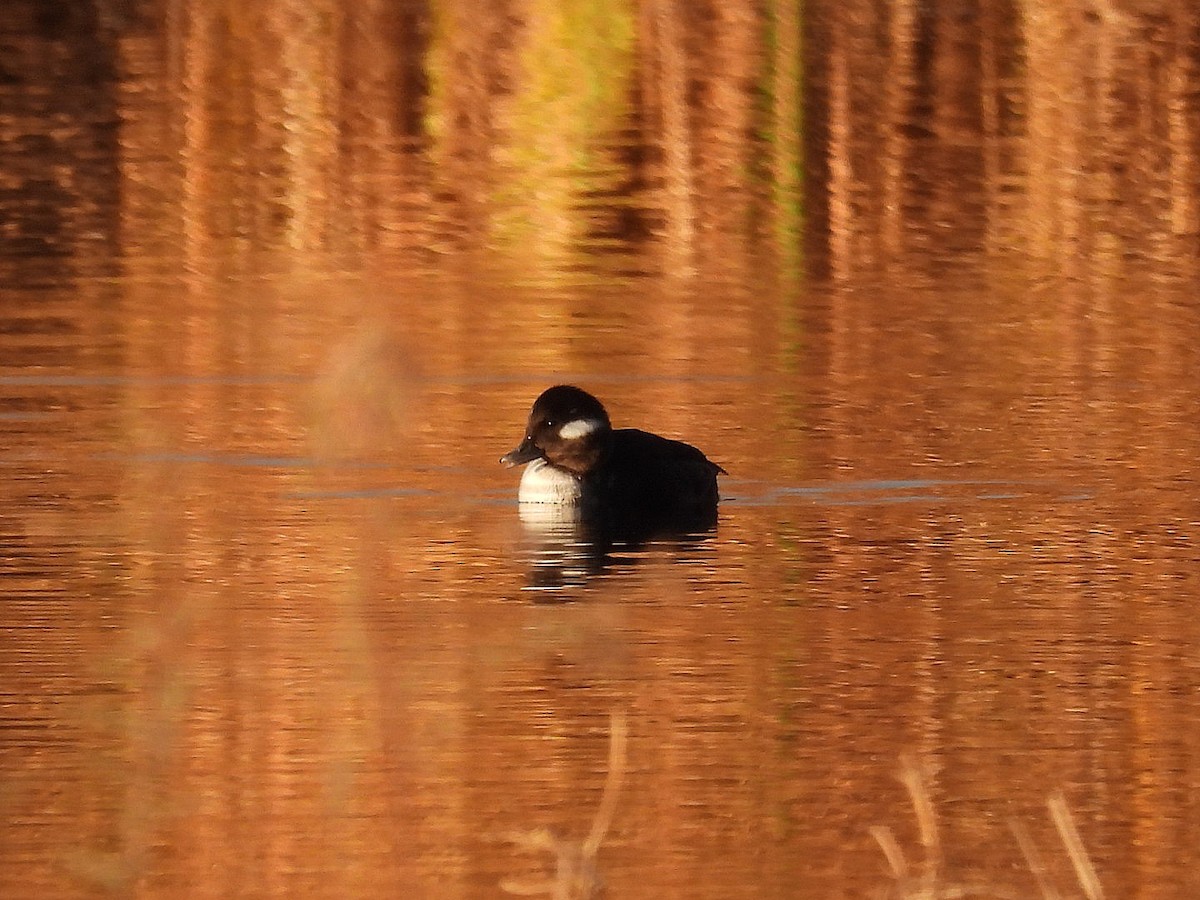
<point>273,624</point>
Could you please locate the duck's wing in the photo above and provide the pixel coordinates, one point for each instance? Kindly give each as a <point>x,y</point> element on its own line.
<point>669,470</point>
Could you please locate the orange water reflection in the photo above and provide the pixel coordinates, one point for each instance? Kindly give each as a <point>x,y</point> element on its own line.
<point>272,311</point>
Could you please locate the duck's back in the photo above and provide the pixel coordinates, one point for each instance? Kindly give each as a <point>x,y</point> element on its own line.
<point>649,477</point>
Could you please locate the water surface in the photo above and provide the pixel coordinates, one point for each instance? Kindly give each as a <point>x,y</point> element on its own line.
<point>273,624</point>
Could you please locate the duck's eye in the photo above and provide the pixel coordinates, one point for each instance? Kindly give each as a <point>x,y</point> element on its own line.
<point>549,423</point>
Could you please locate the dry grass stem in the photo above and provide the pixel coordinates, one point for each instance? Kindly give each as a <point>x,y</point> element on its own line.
<point>1033,859</point>
<point>1085,872</point>
<point>891,850</point>
<point>575,874</point>
<point>618,734</point>
<point>927,881</point>
<point>912,776</point>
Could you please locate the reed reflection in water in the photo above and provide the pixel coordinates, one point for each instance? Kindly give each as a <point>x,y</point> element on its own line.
<point>277,282</point>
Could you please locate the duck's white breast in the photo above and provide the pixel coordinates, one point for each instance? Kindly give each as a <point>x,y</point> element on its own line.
<point>542,483</point>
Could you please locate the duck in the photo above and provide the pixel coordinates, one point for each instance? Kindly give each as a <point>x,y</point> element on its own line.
<point>622,477</point>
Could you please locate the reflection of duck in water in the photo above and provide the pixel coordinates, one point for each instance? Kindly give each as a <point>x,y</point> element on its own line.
<point>625,482</point>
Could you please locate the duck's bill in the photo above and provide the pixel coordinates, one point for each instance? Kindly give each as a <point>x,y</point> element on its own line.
<point>527,452</point>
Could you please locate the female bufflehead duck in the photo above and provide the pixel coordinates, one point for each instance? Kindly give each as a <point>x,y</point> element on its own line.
<point>623,476</point>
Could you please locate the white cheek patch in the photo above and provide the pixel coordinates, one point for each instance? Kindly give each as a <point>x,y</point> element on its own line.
<point>578,428</point>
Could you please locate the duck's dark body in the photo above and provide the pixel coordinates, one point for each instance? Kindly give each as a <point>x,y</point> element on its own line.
<point>647,476</point>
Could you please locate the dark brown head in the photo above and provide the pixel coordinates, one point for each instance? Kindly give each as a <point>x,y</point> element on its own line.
<point>567,427</point>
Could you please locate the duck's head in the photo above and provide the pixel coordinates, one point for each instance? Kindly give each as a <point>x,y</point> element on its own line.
<point>567,427</point>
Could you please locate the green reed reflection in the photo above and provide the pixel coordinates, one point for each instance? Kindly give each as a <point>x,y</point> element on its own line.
<point>559,95</point>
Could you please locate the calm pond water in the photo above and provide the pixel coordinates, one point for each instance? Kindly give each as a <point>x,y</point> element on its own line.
<point>277,290</point>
